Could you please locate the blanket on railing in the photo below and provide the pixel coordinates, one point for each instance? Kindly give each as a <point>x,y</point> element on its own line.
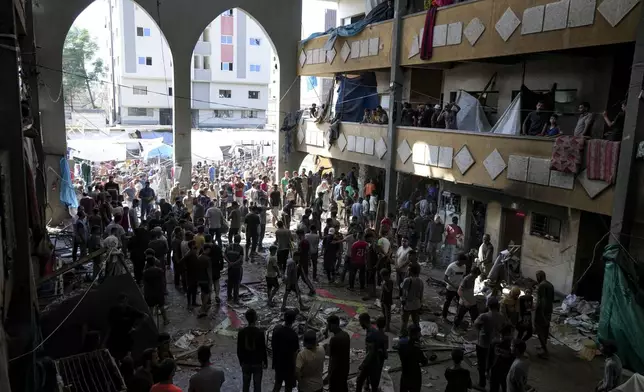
<point>567,154</point>
<point>601,160</point>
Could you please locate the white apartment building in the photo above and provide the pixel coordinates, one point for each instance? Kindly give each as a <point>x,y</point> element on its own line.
<point>231,71</point>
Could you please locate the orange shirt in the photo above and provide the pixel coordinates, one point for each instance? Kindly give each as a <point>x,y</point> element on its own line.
<point>369,188</point>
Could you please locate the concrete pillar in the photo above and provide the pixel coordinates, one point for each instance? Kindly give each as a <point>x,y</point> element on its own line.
<point>493,219</point>
<point>290,103</point>
<point>182,117</point>
<point>52,117</point>
<point>362,179</point>
<point>395,98</point>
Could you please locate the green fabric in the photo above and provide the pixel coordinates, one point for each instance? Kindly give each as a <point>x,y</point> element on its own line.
<point>621,317</point>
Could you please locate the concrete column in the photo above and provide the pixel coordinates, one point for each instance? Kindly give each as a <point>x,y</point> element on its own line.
<point>362,179</point>
<point>290,103</point>
<point>182,117</point>
<point>628,208</point>
<point>493,219</point>
<point>395,98</point>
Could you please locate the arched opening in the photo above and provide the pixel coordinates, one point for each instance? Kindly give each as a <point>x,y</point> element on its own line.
<point>117,85</point>
<point>234,86</point>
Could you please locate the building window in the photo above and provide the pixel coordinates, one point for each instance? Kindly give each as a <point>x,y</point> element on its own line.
<point>142,60</point>
<point>148,61</point>
<point>254,68</point>
<point>225,94</point>
<point>227,13</point>
<point>223,113</point>
<point>197,62</point>
<point>227,39</point>
<point>139,112</point>
<point>205,37</point>
<point>352,19</point>
<point>140,90</point>
<point>142,32</point>
<point>170,91</point>
<point>545,227</point>
<point>206,62</point>
<point>255,41</point>
<point>253,95</point>
<point>249,113</point>
<point>226,66</point>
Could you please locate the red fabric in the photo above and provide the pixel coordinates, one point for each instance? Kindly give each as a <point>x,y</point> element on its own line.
<point>427,43</point>
<point>567,153</point>
<point>601,160</point>
<point>442,3</point>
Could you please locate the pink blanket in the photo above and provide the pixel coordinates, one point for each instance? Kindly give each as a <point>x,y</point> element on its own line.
<point>601,160</point>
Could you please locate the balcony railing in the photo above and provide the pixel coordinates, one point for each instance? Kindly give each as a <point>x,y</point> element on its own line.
<point>478,29</point>
<point>516,165</point>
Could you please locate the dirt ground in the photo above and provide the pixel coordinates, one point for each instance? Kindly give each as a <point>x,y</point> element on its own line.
<point>564,371</point>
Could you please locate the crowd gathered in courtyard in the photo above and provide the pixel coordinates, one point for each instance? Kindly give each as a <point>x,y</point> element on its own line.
<point>329,230</point>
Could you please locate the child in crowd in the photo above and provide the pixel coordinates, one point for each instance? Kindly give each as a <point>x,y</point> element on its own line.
<point>458,378</point>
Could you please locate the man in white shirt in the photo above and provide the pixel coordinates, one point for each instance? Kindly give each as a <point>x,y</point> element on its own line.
<point>402,261</point>
<point>453,276</point>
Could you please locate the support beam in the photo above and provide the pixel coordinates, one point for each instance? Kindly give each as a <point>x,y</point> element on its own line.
<point>395,98</point>
<point>182,118</point>
<point>627,187</point>
<point>20,315</point>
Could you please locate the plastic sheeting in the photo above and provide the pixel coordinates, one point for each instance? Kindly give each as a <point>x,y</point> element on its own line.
<point>471,117</point>
<point>622,311</point>
<point>97,150</point>
<point>163,151</point>
<point>67,193</point>
<point>634,384</point>
<point>355,95</point>
<point>510,121</point>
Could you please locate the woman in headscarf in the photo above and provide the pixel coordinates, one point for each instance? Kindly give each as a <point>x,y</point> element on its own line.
<point>324,189</point>
<point>510,306</point>
<point>137,246</point>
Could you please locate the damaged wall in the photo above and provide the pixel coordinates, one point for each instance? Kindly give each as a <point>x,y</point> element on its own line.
<point>556,259</point>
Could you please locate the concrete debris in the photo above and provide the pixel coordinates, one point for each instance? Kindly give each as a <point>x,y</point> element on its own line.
<point>330,311</point>
<point>428,328</point>
<point>184,341</point>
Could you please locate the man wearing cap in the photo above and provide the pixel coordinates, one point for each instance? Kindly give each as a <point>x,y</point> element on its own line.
<point>489,326</point>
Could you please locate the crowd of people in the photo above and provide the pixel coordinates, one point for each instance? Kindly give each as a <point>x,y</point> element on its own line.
<point>340,226</point>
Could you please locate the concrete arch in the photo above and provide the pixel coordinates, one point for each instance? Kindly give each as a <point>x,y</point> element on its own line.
<point>181,22</point>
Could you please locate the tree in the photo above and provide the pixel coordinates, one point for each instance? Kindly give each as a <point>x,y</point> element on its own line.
<point>81,68</point>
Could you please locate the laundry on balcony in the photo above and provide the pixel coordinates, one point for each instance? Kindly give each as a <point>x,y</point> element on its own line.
<point>601,160</point>
<point>378,14</point>
<point>567,153</point>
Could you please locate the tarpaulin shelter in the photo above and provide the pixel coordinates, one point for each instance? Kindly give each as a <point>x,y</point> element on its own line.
<point>510,121</point>
<point>622,306</point>
<point>471,117</point>
<point>355,95</point>
<point>163,151</point>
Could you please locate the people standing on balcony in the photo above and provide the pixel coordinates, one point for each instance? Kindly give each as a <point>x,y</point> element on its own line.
<point>585,121</point>
<point>616,126</point>
<point>551,129</point>
<point>313,110</point>
<point>434,123</point>
<point>536,121</point>
<point>380,116</point>
<point>407,118</point>
<point>425,116</point>
<point>367,118</point>
<point>449,115</point>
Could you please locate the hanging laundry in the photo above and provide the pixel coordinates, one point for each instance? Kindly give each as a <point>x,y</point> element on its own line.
<point>601,160</point>
<point>567,153</point>
<point>427,40</point>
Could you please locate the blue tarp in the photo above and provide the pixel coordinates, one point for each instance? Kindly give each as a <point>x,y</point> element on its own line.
<point>163,151</point>
<point>167,136</point>
<point>67,194</point>
<point>379,13</point>
<point>311,83</point>
<point>355,95</point>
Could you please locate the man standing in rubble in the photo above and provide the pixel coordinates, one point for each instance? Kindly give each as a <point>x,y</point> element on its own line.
<point>543,311</point>
<point>339,361</point>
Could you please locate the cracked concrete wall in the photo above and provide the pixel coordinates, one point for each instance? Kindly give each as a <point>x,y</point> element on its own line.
<point>181,23</point>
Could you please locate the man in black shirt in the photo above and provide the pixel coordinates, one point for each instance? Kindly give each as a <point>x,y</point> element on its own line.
<point>112,188</point>
<point>297,180</point>
<point>252,222</point>
<point>501,359</point>
<point>122,320</point>
<point>217,265</point>
<point>285,344</point>
<point>339,361</point>
<point>376,344</point>
<point>251,352</point>
<point>536,120</point>
<point>154,287</point>
<point>411,359</point>
<point>276,201</point>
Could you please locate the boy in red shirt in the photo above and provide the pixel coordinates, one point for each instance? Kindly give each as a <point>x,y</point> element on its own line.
<point>358,261</point>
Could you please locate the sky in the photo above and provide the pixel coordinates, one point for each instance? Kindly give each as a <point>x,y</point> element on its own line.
<point>94,16</point>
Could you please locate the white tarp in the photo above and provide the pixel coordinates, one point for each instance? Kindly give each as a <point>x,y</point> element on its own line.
<point>634,384</point>
<point>471,117</point>
<point>206,147</point>
<point>97,150</point>
<point>510,122</point>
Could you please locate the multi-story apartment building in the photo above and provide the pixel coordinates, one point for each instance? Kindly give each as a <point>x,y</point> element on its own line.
<point>230,71</point>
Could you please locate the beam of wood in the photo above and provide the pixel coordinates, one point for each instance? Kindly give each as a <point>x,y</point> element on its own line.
<point>71,266</point>
<point>21,26</point>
